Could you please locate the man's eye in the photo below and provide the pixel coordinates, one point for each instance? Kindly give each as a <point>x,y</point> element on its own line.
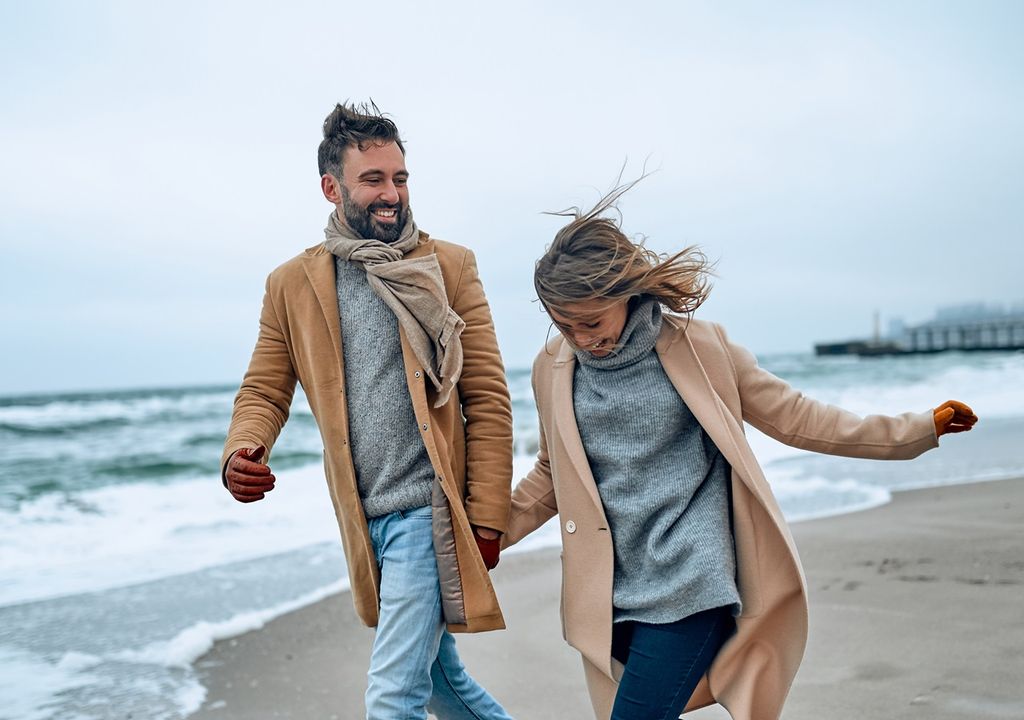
<point>401,181</point>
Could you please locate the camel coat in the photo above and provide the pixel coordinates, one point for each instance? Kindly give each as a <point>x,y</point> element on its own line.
<point>723,386</point>
<point>468,439</point>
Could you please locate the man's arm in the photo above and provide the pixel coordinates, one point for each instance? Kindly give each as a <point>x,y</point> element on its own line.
<point>485,405</point>
<point>264,399</point>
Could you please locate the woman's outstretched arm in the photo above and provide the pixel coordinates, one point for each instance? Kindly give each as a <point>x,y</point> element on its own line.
<point>789,416</point>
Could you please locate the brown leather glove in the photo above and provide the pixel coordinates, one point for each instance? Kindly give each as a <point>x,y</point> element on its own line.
<point>246,478</point>
<point>489,549</point>
<point>953,416</point>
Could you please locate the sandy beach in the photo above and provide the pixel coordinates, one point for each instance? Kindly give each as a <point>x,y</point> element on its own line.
<point>916,612</point>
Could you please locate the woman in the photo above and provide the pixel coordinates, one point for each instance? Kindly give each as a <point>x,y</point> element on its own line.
<point>681,582</point>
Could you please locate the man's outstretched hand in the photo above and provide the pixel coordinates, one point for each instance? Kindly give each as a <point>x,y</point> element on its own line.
<point>248,479</point>
<point>953,416</point>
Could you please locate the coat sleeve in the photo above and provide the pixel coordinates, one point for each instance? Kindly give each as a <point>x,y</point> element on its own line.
<point>486,406</point>
<point>263,401</point>
<point>789,416</point>
<point>533,500</point>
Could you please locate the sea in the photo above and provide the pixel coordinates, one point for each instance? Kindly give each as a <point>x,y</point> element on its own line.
<point>123,559</point>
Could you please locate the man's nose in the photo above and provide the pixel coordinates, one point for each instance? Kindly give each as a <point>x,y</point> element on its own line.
<point>389,193</point>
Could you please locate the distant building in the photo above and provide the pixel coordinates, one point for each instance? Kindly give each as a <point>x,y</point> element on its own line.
<point>967,328</point>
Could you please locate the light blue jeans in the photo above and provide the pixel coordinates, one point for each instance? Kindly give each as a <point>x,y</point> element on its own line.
<point>414,666</point>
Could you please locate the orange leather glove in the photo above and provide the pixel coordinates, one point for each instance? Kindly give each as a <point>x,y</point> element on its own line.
<point>490,548</point>
<point>245,477</point>
<point>953,416</point>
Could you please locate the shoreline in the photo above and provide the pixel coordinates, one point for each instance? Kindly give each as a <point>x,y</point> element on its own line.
<point>890,589</point>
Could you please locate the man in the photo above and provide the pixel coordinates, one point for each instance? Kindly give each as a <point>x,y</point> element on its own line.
<point>390,335</point>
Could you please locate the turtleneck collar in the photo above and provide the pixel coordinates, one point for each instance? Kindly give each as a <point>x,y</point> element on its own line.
<point>637,339</point>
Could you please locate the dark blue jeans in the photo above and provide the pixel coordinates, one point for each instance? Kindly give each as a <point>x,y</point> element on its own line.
<point>664,663</point>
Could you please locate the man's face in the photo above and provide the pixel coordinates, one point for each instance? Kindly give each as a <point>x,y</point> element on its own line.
<point>375,191</point>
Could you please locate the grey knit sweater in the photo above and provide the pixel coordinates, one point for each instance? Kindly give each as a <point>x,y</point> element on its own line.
<point>662,481</point>
<point>393,470</point>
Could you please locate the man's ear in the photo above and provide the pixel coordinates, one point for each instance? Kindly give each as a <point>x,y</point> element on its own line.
<point>331,188</point>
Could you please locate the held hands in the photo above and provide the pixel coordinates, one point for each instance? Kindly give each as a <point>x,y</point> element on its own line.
<point>248,479</point>
<point>953,416</point>
<point>489,542</point>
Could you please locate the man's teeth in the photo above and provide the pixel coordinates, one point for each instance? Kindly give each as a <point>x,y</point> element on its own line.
<point>384,213</point>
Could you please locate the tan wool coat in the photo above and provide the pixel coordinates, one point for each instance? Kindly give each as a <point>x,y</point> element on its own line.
<point>468,439</point>
<point>723,387</point>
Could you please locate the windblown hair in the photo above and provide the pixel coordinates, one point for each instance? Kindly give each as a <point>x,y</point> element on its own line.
<point>353,125</point>
<point>592,259</point>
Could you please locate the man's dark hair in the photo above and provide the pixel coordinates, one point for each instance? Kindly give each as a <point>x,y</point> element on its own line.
<point>353,125</point>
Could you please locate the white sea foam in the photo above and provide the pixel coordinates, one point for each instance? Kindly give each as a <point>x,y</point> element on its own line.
<point>28,684</point>
<point>193,642</point>
<point>804,497</point>
<point>77,661</point>
<point>126,534</point>
<point>36,686</point>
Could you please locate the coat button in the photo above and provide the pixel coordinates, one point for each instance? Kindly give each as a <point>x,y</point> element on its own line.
<point>570,527</point>
<point>416,374</point>
<point>424,426</point>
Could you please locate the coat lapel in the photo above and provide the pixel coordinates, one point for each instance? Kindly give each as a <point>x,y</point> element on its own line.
<point>320,271</point>
<point>685,371</point>
<point>565,420</point>
<point>322,277</point>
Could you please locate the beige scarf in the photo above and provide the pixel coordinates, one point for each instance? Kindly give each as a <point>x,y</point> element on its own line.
<point>414,290</point>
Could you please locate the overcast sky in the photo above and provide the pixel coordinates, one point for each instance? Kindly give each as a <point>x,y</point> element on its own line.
<point>834,159</point>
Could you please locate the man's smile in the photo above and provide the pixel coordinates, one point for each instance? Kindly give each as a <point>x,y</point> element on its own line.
<point>385,214</point>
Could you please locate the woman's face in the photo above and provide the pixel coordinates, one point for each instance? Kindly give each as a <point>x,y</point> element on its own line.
<point>593,325</point>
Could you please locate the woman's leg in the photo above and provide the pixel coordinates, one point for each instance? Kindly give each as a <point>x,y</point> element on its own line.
<point>665,663</point>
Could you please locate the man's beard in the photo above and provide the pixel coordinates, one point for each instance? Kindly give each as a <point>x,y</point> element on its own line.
<point>361,221</point>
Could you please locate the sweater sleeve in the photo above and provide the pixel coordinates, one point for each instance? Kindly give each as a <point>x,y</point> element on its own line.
<point>789,416</point>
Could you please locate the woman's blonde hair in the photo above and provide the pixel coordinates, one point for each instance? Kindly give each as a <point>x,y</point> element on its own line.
<point>592,259</point>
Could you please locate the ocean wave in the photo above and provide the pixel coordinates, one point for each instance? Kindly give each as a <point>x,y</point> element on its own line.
<point>61,544</point>
<point>86,426</point>
<point>64,413</point>
<point>195,641</point>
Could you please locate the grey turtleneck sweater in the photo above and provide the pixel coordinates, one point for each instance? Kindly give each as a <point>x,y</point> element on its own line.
<point>662,481</point>
<point>393,471</point>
